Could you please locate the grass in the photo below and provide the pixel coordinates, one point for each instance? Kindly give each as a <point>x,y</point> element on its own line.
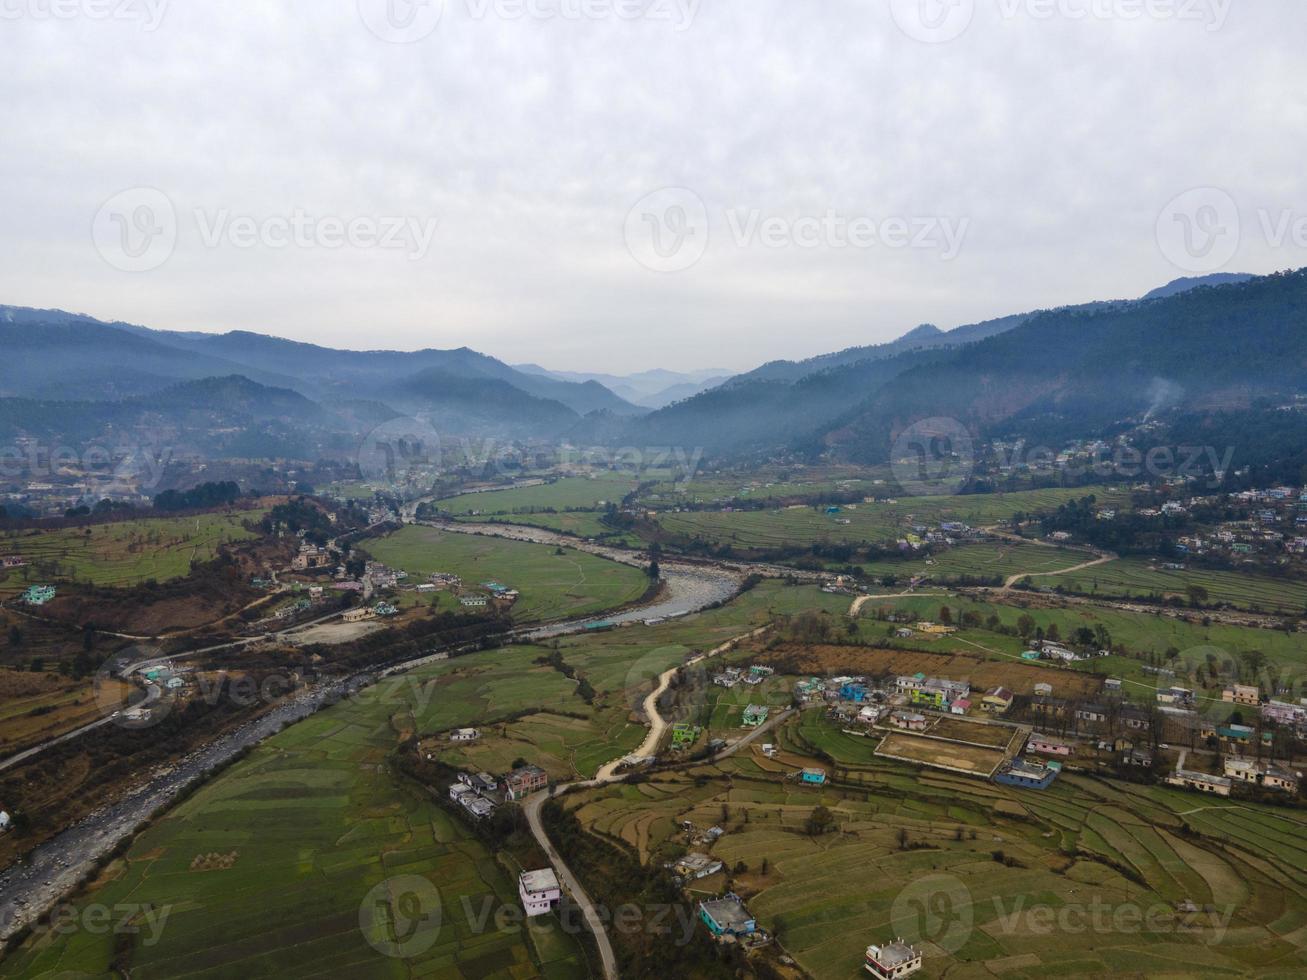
<point>121,553</point>
<point>869,523</point>
<point>553,585</point>
<point>570,493</point>
<point>316,821</point>
<point>1137,577</point>
<point>990,560</point>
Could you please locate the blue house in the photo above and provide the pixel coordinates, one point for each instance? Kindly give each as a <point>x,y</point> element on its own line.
<point>1027,774</point>
<point>853,692</point>
<point>813,777</point>
<point>727,917</point>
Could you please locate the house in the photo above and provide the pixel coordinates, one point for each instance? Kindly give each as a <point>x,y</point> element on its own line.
<point>813,777</point>
<point>483,782</point>
<point>908,720</point>
<point>357,615</point>
<point>728,677</point>
<point>1043,689</point>
<point>539,891</point>
<point>1181,697</point>
<point>460,790</point>
<point>869,715</point>
<point>1134,718</point>
<point>1271,775</point>
<point>523,781</point>
<point>1112,684</point>
<point>684,734</point>
<point>892,960</point>
<point>1242,694</point>
<point>997,700</point>
<point>1048,707</point>
<point>1235,733</point>
<point>853,692</point>
<point>754,715</point>
<point>1141,758</point>
<point>464,735</point>
<point>727,916</point>
<point>1201,781</point>
<point>5,821</point>
<point>1027,773</point>
<point>1093,713</point>
<point>1049,745</point>
<point>960,707</point>
<point>478,806</point>
<point>473,601</point>
<point>38,595</point>
<point>694,866</point>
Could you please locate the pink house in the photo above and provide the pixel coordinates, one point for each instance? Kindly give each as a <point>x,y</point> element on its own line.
<point>961,706</point>
<point>1049,745</point>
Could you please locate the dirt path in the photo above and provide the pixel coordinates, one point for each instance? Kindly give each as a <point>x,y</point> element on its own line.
<point>1014,579</point>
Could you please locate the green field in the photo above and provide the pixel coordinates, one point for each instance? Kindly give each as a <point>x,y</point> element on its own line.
<point>121,553</point>
<point>1138,578</point>
<point>991,560</point>
<point>553,586</point>
<point>874,523</point>
<point>570,493</point>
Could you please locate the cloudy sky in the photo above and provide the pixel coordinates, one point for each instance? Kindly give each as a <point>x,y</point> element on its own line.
<point>623,184</point>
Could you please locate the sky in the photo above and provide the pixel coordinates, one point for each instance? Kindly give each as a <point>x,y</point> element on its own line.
<point>616,185</point>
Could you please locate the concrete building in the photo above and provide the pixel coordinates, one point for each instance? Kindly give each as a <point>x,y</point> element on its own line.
<point>539,891</point>
<point>892,960</point>
<point>727,917</point>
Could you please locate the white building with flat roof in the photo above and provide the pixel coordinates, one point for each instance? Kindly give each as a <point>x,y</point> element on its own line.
<point>539,891</point>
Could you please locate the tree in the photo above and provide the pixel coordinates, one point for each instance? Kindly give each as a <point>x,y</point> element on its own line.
<point>652,570</point>
<point>820,821</point>
<point>1026,625</point>
<point>1197,595</point>
<point>946,615</point>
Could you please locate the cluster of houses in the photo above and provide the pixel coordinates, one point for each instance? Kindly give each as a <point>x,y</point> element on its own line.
<point>480,793</point>
<point>734,676</point>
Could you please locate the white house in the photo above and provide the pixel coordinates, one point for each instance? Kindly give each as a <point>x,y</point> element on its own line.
<point>464,735</point>
<point>539,891</point>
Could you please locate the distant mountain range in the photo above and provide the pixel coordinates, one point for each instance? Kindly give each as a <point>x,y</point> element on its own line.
<point>649,389</point>
<point>1218,341</point>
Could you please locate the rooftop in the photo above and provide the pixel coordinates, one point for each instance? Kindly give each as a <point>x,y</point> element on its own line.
<point>535,882</point>
<point>729,913</point>
<point>892,954</point>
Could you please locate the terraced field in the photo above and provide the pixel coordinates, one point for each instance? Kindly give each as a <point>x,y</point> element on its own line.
<point>1085,879</point>
<point>121,553</point>
<point>309,827</point>
<point>1137,578</point>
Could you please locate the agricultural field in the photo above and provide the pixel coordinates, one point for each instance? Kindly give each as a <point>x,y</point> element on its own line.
<point>305,829</point>
<point>713,489</point>
<point>989,560</point>
<point>553,585</point>
<point>986,879</point>
<point>569,493</point>
<point>931,752</point>
<point>121,553</point>
<point>868,523</point>
<point>38,706</point>
<point>1139,578</point>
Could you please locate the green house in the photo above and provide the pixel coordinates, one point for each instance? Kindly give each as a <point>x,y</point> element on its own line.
<point>754,715</point>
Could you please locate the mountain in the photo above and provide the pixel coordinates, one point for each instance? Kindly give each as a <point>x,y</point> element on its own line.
<point>655,388</point>
<point>1177,286</point>
<point>1067,373</point>
<point>74,355</point>
<point>1051,372</point>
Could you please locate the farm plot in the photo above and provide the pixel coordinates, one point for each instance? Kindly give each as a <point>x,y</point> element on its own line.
<point>121,553</point>
<point>571,493</point>
<point>308,827</point>
<point>1138,578</point>
<point>944,754</point>
<point>554,582</point>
